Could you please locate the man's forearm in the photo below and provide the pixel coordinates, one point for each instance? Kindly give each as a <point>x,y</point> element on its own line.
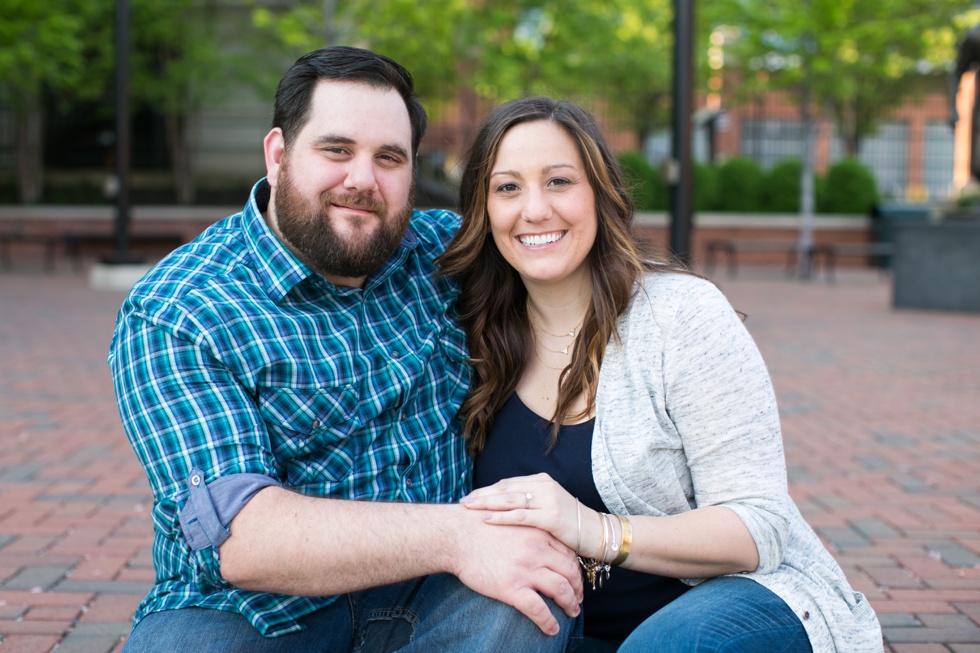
<point>288,543</point>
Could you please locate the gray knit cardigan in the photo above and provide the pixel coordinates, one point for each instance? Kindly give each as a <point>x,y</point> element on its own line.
<point>686,417</point>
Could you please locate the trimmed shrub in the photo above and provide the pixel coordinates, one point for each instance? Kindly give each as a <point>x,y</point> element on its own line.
<point>641,178</point>
<point>820,193</point>
<point>781,193</point>
<point>740,184</point>
<point>705,187</point>
<point>849,188</point>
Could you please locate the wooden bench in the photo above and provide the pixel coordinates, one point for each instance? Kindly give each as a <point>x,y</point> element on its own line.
<point>829,252</point>
<point>50,243</point>
<point>730,248</point>
<point>879,252</point>
<point>76,242</point>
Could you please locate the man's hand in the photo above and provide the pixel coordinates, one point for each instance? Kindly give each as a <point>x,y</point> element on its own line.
<point>287,543</point>
<point>518,565</point>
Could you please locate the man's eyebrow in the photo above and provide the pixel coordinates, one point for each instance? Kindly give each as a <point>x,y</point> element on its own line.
<point>337,139</point>
<point>331,139</point>
<point>396,149</point>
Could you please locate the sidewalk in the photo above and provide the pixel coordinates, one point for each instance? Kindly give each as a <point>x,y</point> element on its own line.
<point>881,417</point>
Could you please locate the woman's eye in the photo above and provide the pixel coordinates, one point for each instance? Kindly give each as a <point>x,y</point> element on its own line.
<point>506,188</point>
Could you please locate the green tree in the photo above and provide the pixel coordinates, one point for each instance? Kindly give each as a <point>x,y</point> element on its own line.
<point>855,58</point>
<point>178,64</point>
<point>43,54</point>
<point>603,54</point>
<point>852,57</point>
<point>428,38</point>
<point>634,60</point>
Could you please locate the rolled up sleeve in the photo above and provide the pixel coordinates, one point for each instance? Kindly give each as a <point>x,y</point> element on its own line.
<point>198,434</point>
<point>210,507</point>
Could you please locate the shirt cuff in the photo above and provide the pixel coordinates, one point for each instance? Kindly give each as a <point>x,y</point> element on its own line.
<point>210,508</point>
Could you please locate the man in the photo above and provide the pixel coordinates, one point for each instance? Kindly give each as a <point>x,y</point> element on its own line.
<point>289,381</point>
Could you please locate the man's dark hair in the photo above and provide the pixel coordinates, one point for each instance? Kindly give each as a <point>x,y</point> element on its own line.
<point>342,63</point>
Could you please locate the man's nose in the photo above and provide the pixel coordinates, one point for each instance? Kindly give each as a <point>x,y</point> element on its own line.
<point>360,174</point>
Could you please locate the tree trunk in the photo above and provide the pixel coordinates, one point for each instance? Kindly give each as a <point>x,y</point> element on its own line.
<point>30,151</point>
<point>180,159</point>
<point>806,174</point>
<point>852,139</point>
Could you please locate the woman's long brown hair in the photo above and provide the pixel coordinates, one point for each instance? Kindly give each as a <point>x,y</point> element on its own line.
<point>492,304</point>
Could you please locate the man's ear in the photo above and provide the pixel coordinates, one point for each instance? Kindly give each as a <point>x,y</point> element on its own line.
<point>274,146</point>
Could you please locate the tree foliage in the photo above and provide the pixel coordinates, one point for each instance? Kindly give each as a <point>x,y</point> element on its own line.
<point>44,53</point>
<point>64,50</point>
<point>861,54</point>
<point>615,52</point>
<point>178,64</point>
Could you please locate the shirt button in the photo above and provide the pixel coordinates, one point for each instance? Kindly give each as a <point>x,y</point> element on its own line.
<point>195,480</point>
<point>408,483</point>
<point>396,354</point>
<point>316,424</point>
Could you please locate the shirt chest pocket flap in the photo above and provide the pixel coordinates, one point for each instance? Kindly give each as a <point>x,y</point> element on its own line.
<point>304,420</point>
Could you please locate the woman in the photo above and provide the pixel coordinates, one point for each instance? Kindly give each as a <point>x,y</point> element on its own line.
<point>606,386</point>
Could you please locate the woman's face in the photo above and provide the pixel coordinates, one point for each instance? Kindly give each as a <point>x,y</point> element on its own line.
<point>541,205</point>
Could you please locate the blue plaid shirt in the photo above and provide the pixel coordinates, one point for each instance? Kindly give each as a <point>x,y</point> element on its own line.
<point>236,367</point>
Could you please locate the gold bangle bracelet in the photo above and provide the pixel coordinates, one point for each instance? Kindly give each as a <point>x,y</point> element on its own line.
<point>627,543</point>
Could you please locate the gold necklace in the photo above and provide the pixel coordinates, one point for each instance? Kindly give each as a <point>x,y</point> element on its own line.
<point>554,351</point>
<point>538,356</point>
<point>571,332</point>
<point>531,316</point>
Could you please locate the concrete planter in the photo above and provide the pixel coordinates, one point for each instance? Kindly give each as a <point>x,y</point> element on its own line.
<point>937,265</point>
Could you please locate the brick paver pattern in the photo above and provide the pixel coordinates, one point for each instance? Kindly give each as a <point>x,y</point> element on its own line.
<point>880,411</point>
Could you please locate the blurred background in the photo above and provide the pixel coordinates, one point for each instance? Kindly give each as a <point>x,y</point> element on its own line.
<point>203,72</point>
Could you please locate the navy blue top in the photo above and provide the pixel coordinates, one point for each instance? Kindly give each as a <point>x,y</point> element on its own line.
<point>518,446</point>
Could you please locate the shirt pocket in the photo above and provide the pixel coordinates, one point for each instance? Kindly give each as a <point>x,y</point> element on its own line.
<point>309,431</point>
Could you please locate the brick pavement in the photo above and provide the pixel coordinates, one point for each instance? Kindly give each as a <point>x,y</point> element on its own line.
<point>881,415</point>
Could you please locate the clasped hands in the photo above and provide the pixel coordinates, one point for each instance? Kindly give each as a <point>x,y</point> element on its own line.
<point>540,502</point>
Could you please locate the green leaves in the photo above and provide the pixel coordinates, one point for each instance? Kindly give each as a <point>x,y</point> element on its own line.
<point>616,50</point>
<point>43,45</point>
<point>864,52</point>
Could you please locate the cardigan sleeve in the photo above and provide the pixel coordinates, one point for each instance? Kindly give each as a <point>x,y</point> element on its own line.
<point>719,397</point>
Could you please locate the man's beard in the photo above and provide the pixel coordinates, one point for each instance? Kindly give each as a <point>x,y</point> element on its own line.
<point>310,230</point>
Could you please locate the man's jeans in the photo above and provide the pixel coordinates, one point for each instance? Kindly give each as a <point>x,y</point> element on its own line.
<point>432,614</point>
<point>724,615</point>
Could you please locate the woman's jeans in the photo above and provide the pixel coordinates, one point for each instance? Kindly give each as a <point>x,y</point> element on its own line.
<point>724,615</point>
<point>437,613</point>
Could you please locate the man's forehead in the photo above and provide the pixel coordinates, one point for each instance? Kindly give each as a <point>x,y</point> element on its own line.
<point>360,111</point>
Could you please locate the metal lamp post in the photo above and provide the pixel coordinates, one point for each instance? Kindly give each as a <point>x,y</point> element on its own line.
<point>680,178</point>
<point>121,255</point>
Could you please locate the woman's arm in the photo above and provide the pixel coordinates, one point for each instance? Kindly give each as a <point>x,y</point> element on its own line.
<point>719,404</point>
<point>702,543</point>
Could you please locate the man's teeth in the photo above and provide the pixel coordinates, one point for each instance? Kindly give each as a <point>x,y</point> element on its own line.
<point>543,239</point>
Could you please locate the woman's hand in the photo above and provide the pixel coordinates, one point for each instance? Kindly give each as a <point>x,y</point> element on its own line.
<point>540,502</point>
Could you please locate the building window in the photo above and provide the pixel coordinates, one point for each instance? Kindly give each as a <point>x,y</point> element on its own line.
<point>937,164</point>
<point>886,154</point>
